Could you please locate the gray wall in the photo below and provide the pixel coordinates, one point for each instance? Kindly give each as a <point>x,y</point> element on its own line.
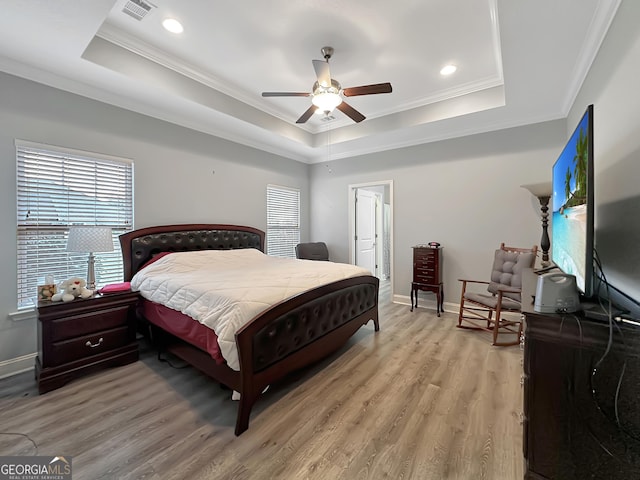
<point>173,173</point>
<point>463,193</point>
<point>612,88</point>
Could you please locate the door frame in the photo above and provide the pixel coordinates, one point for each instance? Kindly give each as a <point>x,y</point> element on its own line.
<point>352,226</point>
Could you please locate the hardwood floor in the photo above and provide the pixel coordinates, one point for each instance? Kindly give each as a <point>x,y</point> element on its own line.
<point>418,400</point>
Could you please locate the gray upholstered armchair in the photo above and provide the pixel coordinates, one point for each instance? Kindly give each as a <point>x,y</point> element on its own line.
<point>312,251</point>
<point>483,310</point>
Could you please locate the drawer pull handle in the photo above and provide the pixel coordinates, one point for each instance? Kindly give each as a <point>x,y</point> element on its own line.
<point>94,345</point>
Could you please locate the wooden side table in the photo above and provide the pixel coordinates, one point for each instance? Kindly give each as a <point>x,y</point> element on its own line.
<point>581,384</point>
<point>427,274</point>
<point>84,335</point>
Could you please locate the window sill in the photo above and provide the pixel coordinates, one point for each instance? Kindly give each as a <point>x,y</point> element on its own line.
<point>23,314</point>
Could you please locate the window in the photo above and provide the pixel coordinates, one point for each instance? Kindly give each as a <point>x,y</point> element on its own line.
<point>57,188</point>
<point>283,221</point>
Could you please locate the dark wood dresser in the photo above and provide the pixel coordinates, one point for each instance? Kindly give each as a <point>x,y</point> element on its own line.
<point>581,383</point>
<point>84,335</point>
<point>427,274</point>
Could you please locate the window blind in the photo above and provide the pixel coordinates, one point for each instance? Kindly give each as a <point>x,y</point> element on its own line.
<point>283,221</point>
<point>57,188</point>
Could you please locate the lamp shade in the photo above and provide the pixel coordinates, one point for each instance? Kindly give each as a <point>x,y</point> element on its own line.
<point>538,190</point>
<point>89,239</point>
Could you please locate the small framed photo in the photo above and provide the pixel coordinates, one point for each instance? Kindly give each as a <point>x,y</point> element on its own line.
<point>45,292</point>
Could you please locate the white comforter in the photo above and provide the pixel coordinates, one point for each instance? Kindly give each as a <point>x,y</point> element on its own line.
<point>225,289</point>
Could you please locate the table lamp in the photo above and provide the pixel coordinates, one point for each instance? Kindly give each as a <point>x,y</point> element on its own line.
<point>90,239</point>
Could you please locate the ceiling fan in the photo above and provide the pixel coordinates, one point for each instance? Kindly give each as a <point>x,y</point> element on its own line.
<point>328,94</point>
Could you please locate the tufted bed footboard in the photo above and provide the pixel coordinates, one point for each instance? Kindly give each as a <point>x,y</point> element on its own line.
<point>300,331</point>
<point>286,337</point>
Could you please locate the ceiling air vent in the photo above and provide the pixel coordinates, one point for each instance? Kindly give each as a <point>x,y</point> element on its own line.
<point>137,8</point>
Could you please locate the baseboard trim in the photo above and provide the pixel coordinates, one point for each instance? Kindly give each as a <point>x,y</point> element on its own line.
<point>17,365</point>
<point>426,303</point>
<point>448,307</point>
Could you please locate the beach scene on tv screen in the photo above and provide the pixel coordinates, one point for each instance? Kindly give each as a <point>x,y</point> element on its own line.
<point>569,205</point>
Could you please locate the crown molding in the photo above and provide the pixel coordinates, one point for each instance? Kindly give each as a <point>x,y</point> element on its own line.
<point>596,33</point>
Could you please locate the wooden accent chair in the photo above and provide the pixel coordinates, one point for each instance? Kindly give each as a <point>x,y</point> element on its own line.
<point>483,311</point>
<point>312,251</point>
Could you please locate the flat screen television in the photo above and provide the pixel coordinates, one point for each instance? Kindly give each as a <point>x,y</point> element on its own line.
<point>572,229</point>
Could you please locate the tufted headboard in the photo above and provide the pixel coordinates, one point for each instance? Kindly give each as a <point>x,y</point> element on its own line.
<point>140,246</point>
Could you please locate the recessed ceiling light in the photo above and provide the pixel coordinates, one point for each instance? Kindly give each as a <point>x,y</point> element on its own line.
<point>448,69</point>
<point>173,25</point>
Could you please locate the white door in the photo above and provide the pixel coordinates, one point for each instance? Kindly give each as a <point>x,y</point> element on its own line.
<point>365,237</point>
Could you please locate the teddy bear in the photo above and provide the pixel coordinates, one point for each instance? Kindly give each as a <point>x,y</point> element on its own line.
<point>71,289</point>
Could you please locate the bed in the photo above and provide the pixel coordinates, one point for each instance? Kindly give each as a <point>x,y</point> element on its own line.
<point>285,337</point>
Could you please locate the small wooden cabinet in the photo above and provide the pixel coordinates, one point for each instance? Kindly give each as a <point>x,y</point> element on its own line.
<point>581,383</point>
<point>84,335</point>
<point>427,274</point>
<point>580,415</point>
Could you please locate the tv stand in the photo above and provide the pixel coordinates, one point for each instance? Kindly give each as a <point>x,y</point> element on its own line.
<point>580,418</point>
<point>595,311</point>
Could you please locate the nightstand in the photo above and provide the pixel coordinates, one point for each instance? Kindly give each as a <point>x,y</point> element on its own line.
<point>84,335</point>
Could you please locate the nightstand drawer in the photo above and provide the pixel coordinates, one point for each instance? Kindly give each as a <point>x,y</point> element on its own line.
<point>88,322</point>
<point>426,265</point>
<point>426,254</point>
<point>432,279</point>
<point>425,269</point>
<point>426,275</point>
<point>82,347</point>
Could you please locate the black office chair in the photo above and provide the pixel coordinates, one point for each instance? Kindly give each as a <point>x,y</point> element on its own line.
<point>312,251</point>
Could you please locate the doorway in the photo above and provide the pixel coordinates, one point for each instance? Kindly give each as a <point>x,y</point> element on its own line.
<point>371,228</point>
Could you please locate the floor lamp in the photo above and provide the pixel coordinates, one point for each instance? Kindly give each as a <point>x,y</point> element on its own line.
<point>542,191</point>
<point>91,239</point>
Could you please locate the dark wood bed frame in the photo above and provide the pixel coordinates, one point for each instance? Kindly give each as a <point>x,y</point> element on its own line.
<point>286,337</point>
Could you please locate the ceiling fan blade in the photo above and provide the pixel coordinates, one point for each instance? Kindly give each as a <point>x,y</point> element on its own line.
<point>285,94</point>
<point>322,72</point>
<point>367,89</point>
<point>351,112</point>
<point>307,115</point>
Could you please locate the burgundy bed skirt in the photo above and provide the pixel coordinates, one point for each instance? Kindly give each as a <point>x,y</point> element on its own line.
<point>183,327</point>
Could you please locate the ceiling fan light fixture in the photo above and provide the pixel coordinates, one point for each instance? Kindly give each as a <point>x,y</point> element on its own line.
<point>326,101</point>
<point>326,94</point>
